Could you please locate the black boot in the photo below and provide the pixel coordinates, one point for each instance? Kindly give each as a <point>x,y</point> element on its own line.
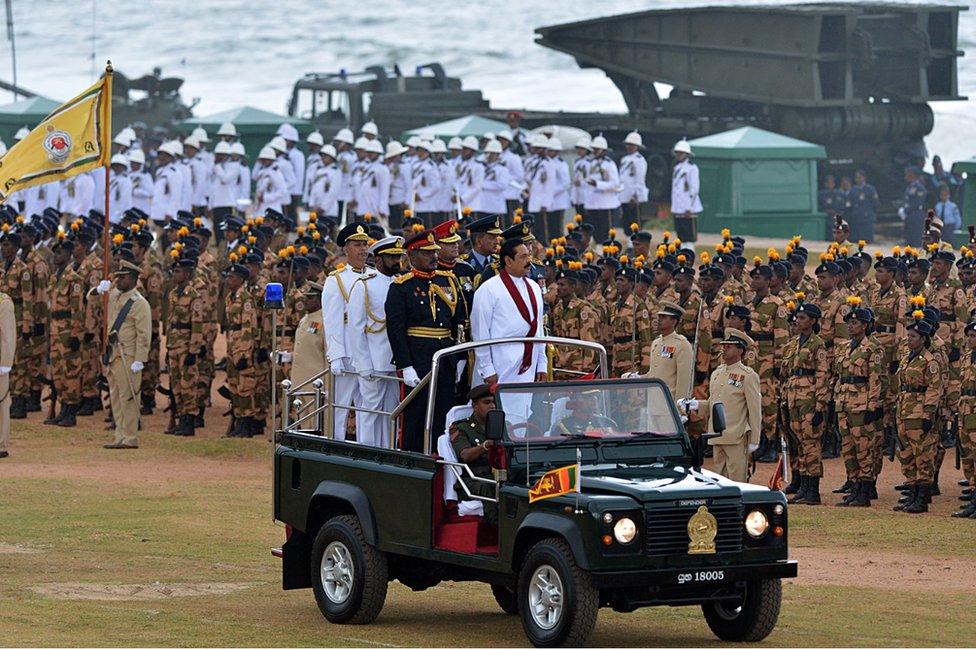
<point>85,408</point>
<point>68,420</point>
<point>920,504</point>
<point>34,401</point>
<point>148,403</point>
<point>812,496</point>
<point>97,403</point>
<point>52,421</point>
<point>967,510</point>
<point>235,430</point>
<point>903,487</point>
<point>185,428</point>
<point>794,485</point>
<point>863,495</point>
<point>912,494</point>
<point>935,491</point>
<point>18,408</point>
<point>845,488</point>
<point>257,427</point>
<point>198,419</point>
<point>873,485</point>
<point>852,494</point>
<point>801,492</point>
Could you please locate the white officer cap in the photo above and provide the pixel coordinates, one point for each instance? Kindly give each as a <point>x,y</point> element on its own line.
<point>493,147</point>
<point>315,138</point>
<point>191,141</point>
<point>599,142</point>
<point>169,148</point>
<point>554,144</point>
<point>328,150</point>
<point>200,134</point>
<point>682,146</point>
<point>267,153</point>
<point>222,148</point>
<point>137,156</point>
<point>539,140</point>
<point>123,139</point>
<point>413,141</point>
<point>227,129</point>
<point>393,149</point>
<point>177,147</point>
<point>505,134</point>
<point>119,159</point>
<point>237,148</point>
<point>454,144</point>
<point>392,245</point>
<point>438,146</point>
<point>427,146</point>
<point>278,144</point>
<point>344,135</point>
<point>369,128</point>
<point>21,134</point>
<point>470,142</point>
<point>488,136</point>
<point>634,138</point>
<point>288,132</point>
<point>584,143</point>
<point>361,144</point>
<point>374,146</point>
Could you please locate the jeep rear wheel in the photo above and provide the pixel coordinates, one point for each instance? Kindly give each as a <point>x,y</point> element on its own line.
<point>349,576</point>
<point>750,619</point>
<point>556,600</point>
<point>507,599</point>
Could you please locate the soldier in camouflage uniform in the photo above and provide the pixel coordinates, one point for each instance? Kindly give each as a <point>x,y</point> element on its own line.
<point>769,329</point>
<point>67,294</point>
<point>805,375</point>
<point>967,420</point>
<point>40,272</point>
<point>184,340</point>
<point>920,384</point>
<point>207,282</point>
<point>630,328</point>
<point>17,282</point>
<point>859,387</point>
<point>88,265</point>
<point>573,318</point>
<point>242,322</point>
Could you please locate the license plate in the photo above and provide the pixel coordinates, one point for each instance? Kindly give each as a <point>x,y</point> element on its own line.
<point>700,577</point>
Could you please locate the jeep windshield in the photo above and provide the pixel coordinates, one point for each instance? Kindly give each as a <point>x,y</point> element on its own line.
<point>553,412</point>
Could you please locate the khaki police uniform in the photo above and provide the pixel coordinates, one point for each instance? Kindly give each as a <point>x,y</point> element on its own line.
<point>131,343</point>
<point>8,348</point>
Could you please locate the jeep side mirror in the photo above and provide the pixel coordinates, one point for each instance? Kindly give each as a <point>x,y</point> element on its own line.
<point>718,417</point>
<point>495,424</point>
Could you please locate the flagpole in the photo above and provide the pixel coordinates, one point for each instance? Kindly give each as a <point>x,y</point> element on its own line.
<point>106,144</point>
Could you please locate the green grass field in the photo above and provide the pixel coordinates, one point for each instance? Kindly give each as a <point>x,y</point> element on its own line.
<point>101,548</point>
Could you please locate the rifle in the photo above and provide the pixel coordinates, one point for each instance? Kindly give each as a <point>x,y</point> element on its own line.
<point>890,443</point>
<point>949,438</point>
<point>52,396</point>
<point>171,408</point>
<point>225,392</point>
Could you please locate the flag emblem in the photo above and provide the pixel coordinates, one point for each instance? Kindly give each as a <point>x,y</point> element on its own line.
<point>57,144</point>
<point>555,483</point>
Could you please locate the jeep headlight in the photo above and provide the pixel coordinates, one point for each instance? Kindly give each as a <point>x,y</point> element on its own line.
<point>756,523</point>
<point>624,531</point>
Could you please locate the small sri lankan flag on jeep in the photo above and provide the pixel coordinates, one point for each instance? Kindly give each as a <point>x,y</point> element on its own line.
<point>555,483</point>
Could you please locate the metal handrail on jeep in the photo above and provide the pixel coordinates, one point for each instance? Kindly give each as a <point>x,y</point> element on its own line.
<point>323,389</point>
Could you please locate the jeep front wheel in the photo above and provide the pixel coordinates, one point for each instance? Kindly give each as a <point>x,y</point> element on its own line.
<point>750,619</point>
<point>557,602</point>
<point>349,576</point>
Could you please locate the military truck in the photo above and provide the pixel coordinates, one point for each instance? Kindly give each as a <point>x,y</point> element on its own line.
<point>645,526</point>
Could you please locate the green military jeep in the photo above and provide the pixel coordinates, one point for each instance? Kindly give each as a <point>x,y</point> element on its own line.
<point>646,526</point>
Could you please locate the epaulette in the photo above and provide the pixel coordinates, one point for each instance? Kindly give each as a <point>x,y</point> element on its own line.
<point>400,279</point>
<point>444,273</point>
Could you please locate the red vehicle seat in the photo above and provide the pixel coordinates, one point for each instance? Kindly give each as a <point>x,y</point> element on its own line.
<point>456,533</point>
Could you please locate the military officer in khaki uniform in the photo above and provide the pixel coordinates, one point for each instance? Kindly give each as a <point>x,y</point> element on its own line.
<point>130,330</point>
<point>672,358</point>
<point>308,359</point>
<point>8,348</point>
<point>737,386</point>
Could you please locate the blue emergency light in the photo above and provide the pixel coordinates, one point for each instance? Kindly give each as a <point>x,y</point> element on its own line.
<point>273,296</point>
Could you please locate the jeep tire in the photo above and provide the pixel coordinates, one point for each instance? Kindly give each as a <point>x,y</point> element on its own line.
<point>753,619</point>
<point>557,601</point>
<point>507,598</point>
<point>349,576</point>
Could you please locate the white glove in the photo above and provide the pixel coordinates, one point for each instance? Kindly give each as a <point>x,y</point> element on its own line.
<point>284,357</point>
<point>630,375</point>
<point>410,376</point>
<point>136,366</point>
<point>336,367</point>
<point>753,447</point>
<point>4,370</point>
<point>688,404</point>
<point>902,214</point>
<point>104,286</point>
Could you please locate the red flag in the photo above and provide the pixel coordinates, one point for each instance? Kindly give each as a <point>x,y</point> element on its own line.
<point>777,481</point>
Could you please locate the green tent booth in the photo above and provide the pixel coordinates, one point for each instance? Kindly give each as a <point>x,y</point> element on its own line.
<point>460,127</point>
<point>760,183</point>
<point>26,112</point>
<point>255,127</point>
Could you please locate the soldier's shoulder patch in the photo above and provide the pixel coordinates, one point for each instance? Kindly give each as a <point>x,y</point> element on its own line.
<point>197,305</point>
<point>400,279</point>
<point>76,289</point>
<point>821,355</point>
<point>444,273</point>
<point>26,275</point>
<point>248,305</point>
<point>933,367</point>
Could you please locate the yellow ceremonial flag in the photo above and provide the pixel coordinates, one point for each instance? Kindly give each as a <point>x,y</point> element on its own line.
<point>73,139</point>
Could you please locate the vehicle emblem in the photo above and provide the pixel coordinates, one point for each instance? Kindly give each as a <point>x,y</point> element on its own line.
<point>57,143</point>
<point>702,530</point>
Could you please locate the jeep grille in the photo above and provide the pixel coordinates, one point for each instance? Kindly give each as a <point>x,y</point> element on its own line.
<point>667,529</point>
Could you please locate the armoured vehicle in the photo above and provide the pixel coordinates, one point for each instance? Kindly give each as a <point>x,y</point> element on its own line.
<point>645,526</point>
<point>856,78</point>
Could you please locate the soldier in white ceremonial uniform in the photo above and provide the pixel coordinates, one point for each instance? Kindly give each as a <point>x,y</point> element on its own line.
<point>270,188</point>
<point>313,161</point>
<point>603,184</point>
<point>186,177</point>
<point>119,187</point>
<point>167,186</point>
<point>541,178</point>
<point>297,161</point>
<point>373,186</point>
<point>77,195</point>
<point>685,202</point>
<point>581,167</point>
<point>142,182</point>
<point>237,155</point>
<point>326,186</point>
<point>287,170</point>
<point>427,185</point>
<point>224,186</point>
<point>40,197</point>
<point>495,185</point>
<point>199,175</point>
<point>470,173</point>
<point>510,305</point>
<point>343,142</point>
<point>516,172</point>
<point>446,203</point>
<point>633,179</point>
<point>369,344</point>
<point>354,241</point>
<point>561,186</point>
<point>401,182</point>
